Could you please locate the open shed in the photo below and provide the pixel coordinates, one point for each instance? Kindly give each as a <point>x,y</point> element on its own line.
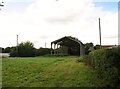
<point>67,46</point>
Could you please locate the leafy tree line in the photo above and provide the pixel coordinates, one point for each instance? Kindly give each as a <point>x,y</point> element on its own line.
<point>90,47</point>
<point>25,49</point>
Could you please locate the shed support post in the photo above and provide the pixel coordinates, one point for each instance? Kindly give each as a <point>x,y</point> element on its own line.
<point>81,49</point>
<point>54,48</point>
<point>57,50</point>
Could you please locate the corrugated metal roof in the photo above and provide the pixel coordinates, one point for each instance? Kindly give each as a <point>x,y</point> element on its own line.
<point>63,39</point>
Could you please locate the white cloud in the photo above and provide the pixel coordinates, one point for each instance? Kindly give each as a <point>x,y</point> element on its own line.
<point>47,20</point>
<point>107,0</point>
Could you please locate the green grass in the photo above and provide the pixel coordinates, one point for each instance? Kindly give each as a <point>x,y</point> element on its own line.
<point>46,72</point>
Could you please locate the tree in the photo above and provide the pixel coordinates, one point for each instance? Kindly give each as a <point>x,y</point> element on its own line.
<point>7,50</point>
<point>97,47</point>
<point>13,52</point>
<point>24,49</point>
<point>88,47</point>
<point>1,50</point>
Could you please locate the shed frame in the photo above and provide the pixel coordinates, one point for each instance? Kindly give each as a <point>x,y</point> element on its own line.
<point>67,41</point>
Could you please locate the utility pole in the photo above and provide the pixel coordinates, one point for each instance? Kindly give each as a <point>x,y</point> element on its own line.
<point>45,44</point>
<point>100,33</point>
<point>17,40</point>
<point>17,46</point>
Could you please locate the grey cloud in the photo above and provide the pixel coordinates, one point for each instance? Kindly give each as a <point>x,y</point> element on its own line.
<point>112,36</point>
<point>45,37</point>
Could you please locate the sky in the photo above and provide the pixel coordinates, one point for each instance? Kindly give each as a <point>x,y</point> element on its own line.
<point>43,21</point>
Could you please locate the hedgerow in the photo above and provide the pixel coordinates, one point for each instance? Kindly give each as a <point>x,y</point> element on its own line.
<point>106,63</point>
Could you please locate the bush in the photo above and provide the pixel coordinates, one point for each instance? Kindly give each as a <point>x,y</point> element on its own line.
<point>88,47</point>
<point>106,63</point>
<point>86,59</point>
<point>24,49</point>
<point>13,52</point>
<point>43,51</point>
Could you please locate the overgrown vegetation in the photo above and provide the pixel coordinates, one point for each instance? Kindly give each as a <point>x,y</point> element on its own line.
<point>90,47</point>
<point>106,63</point>
<point>43,51</point>
<point>26,49</point>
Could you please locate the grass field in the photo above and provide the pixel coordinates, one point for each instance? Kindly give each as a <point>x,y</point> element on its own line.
<point>46,72</point>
